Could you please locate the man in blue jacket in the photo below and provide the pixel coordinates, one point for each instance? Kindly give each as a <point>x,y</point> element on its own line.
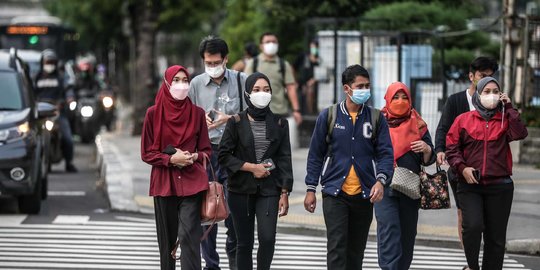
<point>353,161</point>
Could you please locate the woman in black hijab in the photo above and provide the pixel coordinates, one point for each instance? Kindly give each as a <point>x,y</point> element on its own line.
<point>256,151</point>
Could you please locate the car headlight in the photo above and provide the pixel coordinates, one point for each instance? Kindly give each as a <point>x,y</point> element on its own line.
<point>107,102</point>
<point>73,105</point>
<point>87,111</point>
<point>14,132</point>
<point>49,125</point>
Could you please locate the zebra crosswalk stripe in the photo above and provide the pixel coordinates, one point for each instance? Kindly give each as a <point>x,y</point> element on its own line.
<point>133,245</point>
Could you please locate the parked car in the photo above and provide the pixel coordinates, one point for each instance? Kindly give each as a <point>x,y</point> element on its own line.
<point>23,137</point>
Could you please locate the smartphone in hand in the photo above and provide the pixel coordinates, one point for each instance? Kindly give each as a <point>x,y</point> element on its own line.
<point>271,162</point>
<point>476,174</point>
<point>212,115</point>
<point>169,150</point>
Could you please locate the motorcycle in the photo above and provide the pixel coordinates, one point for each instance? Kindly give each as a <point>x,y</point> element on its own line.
<point>87,115</point>
<point>107,109</point>
<point>53,137</point>
<point>55,144</point>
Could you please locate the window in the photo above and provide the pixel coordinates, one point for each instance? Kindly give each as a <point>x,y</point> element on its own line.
<point>10,94</point>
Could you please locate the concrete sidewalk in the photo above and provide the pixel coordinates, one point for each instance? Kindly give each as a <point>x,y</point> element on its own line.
<point>127,179</point>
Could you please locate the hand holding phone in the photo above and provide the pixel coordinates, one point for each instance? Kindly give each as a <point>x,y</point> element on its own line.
<point>270,164</point>
<point>212,115</point>
<point>476,174</point>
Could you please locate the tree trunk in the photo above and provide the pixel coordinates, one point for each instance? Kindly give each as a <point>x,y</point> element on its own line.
<point>145,32</point>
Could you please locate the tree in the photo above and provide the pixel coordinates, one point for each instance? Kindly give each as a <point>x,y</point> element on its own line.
<point>459,50</point>
<point>101,22</point>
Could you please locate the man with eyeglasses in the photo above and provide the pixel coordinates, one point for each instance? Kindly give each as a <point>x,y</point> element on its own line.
<point>281,76</point>
<point>219,91</point>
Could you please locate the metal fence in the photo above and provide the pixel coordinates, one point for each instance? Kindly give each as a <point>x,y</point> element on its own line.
<point>532,74</point>
<point>389,57</point>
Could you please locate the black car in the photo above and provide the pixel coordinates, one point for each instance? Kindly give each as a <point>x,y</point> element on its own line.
<point>23,139</point>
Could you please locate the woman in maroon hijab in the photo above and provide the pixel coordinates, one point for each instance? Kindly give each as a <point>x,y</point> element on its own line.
<point>174,141</point>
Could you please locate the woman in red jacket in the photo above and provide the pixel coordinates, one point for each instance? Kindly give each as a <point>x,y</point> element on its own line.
<point>174,141</point>
<point>477,146</point>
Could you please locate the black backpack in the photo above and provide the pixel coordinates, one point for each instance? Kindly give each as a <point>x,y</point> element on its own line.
<point>331,122</point>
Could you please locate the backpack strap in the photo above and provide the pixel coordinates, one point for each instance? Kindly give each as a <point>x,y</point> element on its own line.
<point>255,63</point>
<point>282,70</point>
<point>240,94</point>
<point>375,116</point>
<point>330,122</point>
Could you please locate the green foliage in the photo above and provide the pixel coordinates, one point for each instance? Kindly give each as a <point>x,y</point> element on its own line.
<point>243,26</point>
<point>415,16</point>
<point>530,116</point>
<point>97,21</point>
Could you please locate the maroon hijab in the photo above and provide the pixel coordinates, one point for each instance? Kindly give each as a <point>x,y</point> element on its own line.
<point>173,119</point>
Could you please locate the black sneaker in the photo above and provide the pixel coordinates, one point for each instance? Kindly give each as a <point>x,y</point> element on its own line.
<point>71,168</point>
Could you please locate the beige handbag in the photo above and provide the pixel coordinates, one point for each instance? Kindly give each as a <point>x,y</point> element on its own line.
<point>406,182</point>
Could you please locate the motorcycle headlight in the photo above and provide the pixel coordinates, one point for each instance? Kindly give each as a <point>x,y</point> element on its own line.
<point>73,105</point>
<point>107,102</point>
<point>87,111</point>
<point>49,125</point>
<point>19,131</point>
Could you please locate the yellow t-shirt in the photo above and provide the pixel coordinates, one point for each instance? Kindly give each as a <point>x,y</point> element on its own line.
<point>352,186</point>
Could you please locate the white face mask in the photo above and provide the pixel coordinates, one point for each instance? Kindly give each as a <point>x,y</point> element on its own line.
<point>270,48</point>
<point>215,72</point>
<point>489,101</point>
<point>260,99</point>
<point>49,68</point>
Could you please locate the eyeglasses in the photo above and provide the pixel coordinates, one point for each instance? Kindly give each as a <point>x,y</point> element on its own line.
<point>213,64</point>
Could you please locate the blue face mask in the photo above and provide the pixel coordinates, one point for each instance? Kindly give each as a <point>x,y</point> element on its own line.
<point>360,96</point>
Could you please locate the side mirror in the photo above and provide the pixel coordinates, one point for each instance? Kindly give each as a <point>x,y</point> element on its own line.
<point>46,110</point>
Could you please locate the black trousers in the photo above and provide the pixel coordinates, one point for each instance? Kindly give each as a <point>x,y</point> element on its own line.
<point>485,211</point>
<point>179,217</point>
<point>347,220</point>
<point>244,209</point>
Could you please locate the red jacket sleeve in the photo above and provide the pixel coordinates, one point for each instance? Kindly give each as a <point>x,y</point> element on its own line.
<point>149,155</point>
<point>454,152</point>
<point>516,128</point>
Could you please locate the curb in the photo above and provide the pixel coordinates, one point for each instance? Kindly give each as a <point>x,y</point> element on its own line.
<point>524,246</point>
<point>114,172</point>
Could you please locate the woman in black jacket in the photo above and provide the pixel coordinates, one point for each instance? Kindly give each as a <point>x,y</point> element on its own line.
<point>256,151</point>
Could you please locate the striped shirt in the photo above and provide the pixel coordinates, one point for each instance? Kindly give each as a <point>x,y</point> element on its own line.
<point>259,136</point>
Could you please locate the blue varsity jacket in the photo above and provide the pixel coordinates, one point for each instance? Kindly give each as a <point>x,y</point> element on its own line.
<point>372,159</point>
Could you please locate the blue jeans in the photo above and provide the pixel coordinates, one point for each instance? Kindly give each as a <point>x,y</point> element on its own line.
<point>397,216</point>
<point>208,246</point>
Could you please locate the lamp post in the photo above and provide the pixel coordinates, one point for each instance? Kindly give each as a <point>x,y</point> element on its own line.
<point>440,29</point>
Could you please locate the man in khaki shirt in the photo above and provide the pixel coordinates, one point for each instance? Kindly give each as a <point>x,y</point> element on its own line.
<point>283,83</point>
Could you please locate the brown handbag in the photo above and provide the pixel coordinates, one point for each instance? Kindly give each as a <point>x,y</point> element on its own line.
<point>214,207</point>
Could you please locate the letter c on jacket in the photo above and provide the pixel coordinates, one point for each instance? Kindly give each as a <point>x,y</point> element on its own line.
<point>367,130</point>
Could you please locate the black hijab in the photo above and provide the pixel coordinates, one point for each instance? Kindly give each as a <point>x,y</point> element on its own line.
<point>483,111</point>
<point>264,113</point>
